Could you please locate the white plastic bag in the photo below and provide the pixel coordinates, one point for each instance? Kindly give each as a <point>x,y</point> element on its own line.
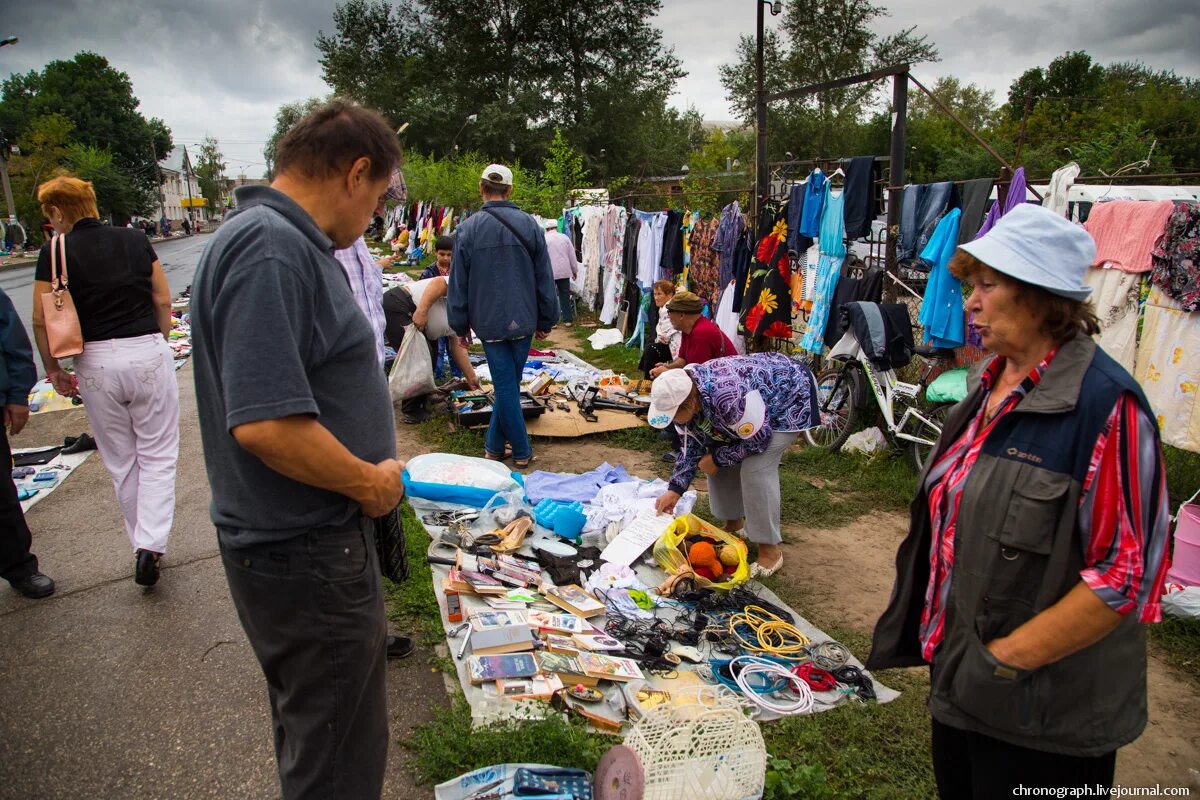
<point>1183,603</point>
<point>606,337</point>
<point>868,442</point>
<point>412,371</point>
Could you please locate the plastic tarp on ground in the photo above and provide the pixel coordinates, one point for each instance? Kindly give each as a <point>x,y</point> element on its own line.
<point>61,464</point>
<point>487,705</point>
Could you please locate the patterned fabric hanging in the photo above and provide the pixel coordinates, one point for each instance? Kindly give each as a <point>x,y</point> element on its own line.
<point>705,269</point>
<point>767,310</point>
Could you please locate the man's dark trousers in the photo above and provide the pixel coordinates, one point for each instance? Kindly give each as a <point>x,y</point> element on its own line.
<point>16,562</point>
<point>312,607</point>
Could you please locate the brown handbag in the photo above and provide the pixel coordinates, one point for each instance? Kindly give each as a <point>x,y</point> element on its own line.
<point>58,309</point>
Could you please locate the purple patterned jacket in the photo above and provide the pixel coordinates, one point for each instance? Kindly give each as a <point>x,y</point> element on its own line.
<point>744,400</point>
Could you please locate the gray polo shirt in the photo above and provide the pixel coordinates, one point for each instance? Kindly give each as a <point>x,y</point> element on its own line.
<point>276,333</point>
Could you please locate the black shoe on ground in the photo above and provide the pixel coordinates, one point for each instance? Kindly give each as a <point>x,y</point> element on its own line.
<point>400,647</point>
<point>416,416</point>
<point>146,568</point>
<point>79,444</point>
<point>36,586</point>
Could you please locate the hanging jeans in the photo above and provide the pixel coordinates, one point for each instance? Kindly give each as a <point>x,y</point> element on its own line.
<point>506,361</point>
<point>919,219</point>
<point>131,396</point>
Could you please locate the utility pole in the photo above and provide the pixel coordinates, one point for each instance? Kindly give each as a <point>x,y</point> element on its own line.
<point>761,175</point>
<point>162,200</point>
<point>186,163</point>
<point>8,198</point>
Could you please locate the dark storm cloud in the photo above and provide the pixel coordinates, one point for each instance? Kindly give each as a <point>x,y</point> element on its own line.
<point>225,66</point>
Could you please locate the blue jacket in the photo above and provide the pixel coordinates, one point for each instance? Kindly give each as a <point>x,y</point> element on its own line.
<point>499,287</point>
<point>17,371</point>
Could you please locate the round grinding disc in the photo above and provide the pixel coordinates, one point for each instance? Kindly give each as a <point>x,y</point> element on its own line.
<point>619,775</point>
<point>553,546</point>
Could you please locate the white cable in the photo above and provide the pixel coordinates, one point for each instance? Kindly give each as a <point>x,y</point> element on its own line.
<point>756,666</point>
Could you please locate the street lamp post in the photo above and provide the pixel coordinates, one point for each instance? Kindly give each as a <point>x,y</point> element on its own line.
<point>8,198</point>
<point>454,142</point>
<point>761,177</point>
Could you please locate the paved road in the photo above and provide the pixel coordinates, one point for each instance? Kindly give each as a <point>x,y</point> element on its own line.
<point>179,258</point>
<point>112,692</point>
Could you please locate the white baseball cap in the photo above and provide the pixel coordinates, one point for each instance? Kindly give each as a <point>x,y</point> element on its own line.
<point>667,394</point>
<point>550,224</point>
<point>498,173</point>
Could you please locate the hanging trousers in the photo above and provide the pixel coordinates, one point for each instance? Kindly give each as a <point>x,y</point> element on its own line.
<point>131,396</point>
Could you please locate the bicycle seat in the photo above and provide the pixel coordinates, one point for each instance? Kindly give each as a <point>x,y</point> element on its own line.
<point>938,353</point>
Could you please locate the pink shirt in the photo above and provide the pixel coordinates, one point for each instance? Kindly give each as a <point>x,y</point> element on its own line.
<point>1126,231</point>
<point>563,262</point>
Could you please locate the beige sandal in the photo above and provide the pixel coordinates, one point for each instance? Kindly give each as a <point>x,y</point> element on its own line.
<point>512,536</point>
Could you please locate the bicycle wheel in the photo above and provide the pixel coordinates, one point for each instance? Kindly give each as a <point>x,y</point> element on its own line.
<point>838,393</point>
<point>919,453</point>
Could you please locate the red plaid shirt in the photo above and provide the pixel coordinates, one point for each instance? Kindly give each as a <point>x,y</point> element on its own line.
<point>1123,509</point>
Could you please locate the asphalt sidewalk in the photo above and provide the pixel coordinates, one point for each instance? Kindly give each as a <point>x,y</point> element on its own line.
<point>110,691</point>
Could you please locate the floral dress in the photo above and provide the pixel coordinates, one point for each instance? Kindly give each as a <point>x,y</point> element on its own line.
<point>767,310</point>
<point>1177,257</point>
<point>829,269</point>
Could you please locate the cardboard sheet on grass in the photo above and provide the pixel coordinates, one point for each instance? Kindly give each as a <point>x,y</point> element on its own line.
<point>62,465</point>
<point>568,423</point>
<point>486,703</point>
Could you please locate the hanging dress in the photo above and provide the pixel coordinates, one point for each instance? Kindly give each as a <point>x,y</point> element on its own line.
<point>829,268</point>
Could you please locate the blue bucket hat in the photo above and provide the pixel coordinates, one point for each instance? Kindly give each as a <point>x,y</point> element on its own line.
<point>1037,246</point>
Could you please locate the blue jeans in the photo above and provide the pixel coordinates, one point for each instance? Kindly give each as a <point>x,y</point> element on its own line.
<point>566,304</point>
<point>506,361</point>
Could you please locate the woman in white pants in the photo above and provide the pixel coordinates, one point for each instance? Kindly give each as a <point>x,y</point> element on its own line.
<point>125,374</point>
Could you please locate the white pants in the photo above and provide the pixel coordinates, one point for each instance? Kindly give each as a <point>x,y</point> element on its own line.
<point>131,397</point>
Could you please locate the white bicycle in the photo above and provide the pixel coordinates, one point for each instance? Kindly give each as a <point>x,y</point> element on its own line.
<point>842,392</point>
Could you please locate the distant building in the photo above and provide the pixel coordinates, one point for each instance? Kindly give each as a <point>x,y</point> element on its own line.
<point>180,191</point>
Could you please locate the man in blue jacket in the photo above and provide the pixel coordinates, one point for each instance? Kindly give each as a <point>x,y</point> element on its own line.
<point>502,288</point>
<point>18,566</point>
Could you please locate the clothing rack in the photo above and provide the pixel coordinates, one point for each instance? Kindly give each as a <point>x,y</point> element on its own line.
<point>684,191</point>
<point>1095,178</point>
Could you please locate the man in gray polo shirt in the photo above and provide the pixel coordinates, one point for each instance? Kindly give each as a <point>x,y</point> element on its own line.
<point>299,442</point>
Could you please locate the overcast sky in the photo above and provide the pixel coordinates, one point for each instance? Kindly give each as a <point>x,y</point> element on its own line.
<point>223,67</point>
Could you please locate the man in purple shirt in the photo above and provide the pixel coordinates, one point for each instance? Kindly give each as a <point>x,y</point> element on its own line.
<point>565,266</point>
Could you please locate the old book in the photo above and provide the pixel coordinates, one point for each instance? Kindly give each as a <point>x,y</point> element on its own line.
<point>494,632</point>
<point>481,669</point>
<point>566,667</point>
<point>539,687</point>
<point>560,623</point>
<point>609,668</point>
<point>597,642</point>
<point>482,584</point>
<point>574,599</point>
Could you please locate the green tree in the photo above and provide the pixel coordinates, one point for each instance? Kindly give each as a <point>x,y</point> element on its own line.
<point>372,56</point>
<point>518,69</point>
<point>43,150</point>
<point>210,174</point>
<point>287,116</point>
<point>100,103</point>
<point>939,148</point>
<point>826,124</point>
<point>114,193</point>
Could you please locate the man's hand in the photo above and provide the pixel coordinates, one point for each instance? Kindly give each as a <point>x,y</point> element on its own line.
<point>659,370</point>
<point>708,465</point>
<point>666,503</point>
<point>420,318</point>
<point>386,261</point>
<point>386,490</point>
<point>465,341</point>
<point>64,383</point>
<point>472,381</point>
<point>543,334</point>
<point>15,417</point>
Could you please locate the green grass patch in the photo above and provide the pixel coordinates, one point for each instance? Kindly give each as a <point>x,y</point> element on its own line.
<point>863,750</point>
<point>619,358</point>
<point>449,746</point>
<point>819,489</point>
<point>1178,642</point>
<point>1183,474</point>
<point>413,604</point>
